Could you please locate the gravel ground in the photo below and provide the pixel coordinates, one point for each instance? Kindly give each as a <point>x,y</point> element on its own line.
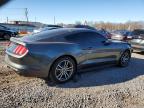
<point>110,87</point>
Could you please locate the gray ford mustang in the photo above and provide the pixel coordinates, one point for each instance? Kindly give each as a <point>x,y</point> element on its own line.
<point>57,54</point>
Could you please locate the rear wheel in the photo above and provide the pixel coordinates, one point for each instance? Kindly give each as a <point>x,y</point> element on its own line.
<point>63,70</point>
<point>125,58</point>
<point>7,36</point>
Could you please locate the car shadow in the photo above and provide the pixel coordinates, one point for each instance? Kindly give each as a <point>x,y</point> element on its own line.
<point>141,53</point>
<point>106,75</point>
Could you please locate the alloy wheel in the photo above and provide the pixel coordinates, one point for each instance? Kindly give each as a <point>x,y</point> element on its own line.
<point>125,58</point>
<point>64,70</point>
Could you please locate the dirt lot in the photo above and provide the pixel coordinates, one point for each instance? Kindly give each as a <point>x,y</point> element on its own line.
<point>110,87</point>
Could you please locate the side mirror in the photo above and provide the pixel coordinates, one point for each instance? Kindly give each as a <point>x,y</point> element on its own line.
<point>106,42</point>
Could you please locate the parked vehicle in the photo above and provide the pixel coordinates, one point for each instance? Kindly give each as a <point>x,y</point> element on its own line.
<point>7,33</point>
<point>58,26</point>
<point>47,27</point>
<point>137,41</point>
<point>58,53</point>
<point>121,35</point>
<point>44,29</point>
<point>80,26</point>
<point>105,33</point>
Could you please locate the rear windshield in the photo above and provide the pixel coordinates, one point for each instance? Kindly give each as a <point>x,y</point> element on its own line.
<point>42,35</point>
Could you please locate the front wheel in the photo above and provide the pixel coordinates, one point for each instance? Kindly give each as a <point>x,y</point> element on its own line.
<point>63,70</point>
<point>125,59</point>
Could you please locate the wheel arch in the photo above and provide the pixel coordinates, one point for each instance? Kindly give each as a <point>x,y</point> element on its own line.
<point>122,52</point>
<point>66,55</point>
<point>127,49</point>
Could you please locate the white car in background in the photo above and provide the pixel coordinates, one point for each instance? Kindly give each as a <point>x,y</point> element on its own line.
<point>121,35</point>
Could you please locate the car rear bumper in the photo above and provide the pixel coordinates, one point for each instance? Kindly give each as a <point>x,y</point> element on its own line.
<point>26,70</point>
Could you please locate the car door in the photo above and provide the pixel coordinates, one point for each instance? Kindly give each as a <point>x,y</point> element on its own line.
<point>99,49</point>
<point>83,47</point>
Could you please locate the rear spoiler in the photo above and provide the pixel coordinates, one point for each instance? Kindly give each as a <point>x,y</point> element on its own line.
<point>17,40</point>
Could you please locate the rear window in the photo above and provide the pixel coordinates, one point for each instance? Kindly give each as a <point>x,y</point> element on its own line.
<point>43,35</point>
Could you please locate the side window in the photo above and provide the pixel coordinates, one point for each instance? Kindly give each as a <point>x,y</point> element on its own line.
<point>53,39</point>
<point>142,32</point>
<point>85,38</point>
<point>138,32</point>
<point>96,38</point>
<point>77,38</point>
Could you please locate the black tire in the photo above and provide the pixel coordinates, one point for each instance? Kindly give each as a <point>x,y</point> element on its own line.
<point>59,69</point>
<point>7,36</point>
<point>124,59</point>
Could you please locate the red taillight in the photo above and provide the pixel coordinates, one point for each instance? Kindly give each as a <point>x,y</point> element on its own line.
<point>20,50</point>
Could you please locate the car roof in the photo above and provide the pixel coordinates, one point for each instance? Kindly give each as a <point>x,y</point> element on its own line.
<point>3,26</point>
<point>70,30</point>
<point>55,32</point>
<point>67,31</point>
